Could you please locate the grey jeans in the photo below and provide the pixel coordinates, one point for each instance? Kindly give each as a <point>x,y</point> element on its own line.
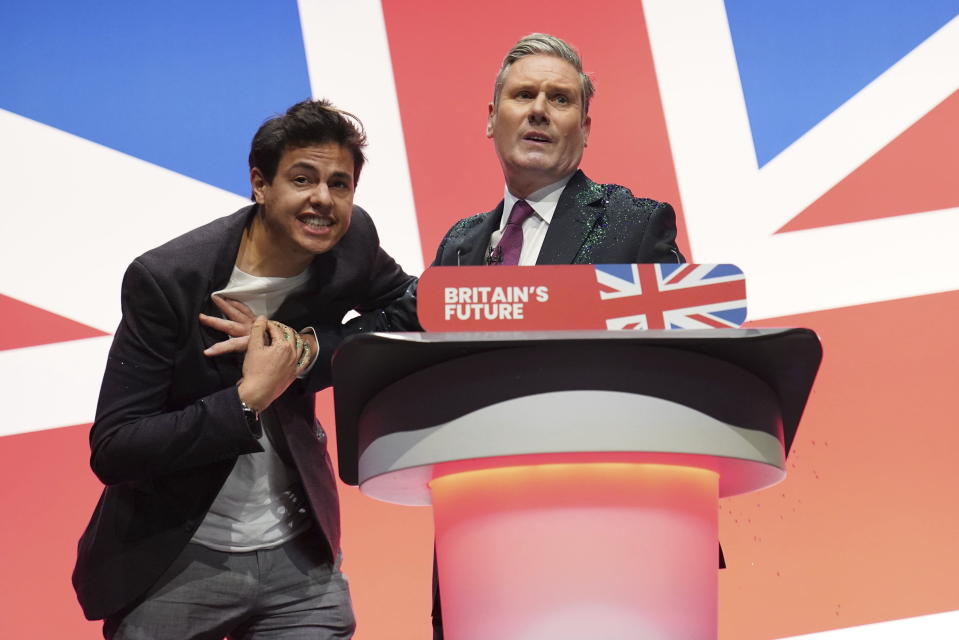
<point>292,592</point>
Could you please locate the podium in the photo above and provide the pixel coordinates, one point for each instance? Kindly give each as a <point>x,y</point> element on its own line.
<point>574,476</point>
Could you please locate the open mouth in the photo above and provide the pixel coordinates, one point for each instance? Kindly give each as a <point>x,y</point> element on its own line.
<point>534,136</point>
<point>315,222</point>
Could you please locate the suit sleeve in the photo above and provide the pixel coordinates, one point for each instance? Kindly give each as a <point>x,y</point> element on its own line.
<point>136,435</point>
<point>390,302</point>
<point>659,239</point>
<point>386,303</point>
<point>407,319</point>
<point>441,249</point>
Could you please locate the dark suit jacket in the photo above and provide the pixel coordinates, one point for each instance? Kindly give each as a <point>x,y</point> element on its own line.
<point>169,426</point>
<point>593,224</point>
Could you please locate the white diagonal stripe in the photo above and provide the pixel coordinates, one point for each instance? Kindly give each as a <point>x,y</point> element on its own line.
<point>53,385</point>
<point>705,113</point>
<point>939,626</point>
<point>76,214</point>
<point>348,56</point>
<point>849,264</point>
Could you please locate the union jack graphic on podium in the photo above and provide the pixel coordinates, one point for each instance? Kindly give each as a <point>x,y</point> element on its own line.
<point>672,296</point>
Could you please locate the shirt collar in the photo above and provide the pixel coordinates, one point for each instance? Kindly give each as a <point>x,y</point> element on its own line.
<point>542,200</point>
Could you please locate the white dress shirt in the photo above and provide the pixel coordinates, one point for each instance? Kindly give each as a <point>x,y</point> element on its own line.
<point>535,227</point>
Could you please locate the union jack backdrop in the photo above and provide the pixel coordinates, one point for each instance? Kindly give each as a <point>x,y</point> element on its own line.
<point>813,144</point>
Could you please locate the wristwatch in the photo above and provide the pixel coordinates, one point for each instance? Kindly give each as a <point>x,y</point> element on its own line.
<point>252,418</point>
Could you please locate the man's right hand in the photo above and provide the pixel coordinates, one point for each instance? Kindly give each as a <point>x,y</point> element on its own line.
<point>270,364</point>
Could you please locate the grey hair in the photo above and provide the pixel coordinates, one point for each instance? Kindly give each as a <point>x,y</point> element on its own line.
<point>545,44</point>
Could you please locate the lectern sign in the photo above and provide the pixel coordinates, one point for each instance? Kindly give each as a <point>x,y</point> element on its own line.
<point>608,296</point>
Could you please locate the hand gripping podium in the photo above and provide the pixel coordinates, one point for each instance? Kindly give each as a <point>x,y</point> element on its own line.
<point>574,475</point>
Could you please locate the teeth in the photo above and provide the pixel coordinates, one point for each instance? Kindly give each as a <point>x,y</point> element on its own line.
<point>316,221</point>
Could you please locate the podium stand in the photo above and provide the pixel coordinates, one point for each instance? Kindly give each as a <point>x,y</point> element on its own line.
<point>574,476</point>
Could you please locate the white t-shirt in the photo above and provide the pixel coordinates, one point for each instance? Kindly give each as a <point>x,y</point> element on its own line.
<point>261,504</point>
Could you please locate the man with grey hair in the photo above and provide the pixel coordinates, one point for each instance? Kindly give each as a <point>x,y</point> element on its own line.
<point>551,213</point>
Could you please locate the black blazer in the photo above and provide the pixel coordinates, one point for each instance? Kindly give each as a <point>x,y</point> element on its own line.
<point>169,426</point>
<point>593,224</point>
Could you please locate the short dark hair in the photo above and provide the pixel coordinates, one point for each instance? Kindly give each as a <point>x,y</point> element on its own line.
<point>307,123</point>
<point>545,44</point>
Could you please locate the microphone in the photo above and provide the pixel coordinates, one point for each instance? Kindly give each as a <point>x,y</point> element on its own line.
<point>664,247</point>
<point>494,255</point>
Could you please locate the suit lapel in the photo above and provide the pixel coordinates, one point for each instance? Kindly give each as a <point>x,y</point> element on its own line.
<point>580,207</point>
<point>299,308</point>
<point>476,241</point>
<point>229,366</point>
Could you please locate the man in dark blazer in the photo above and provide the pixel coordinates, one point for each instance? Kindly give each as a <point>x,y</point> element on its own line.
<point>539,124</point>
<point>551,213</point>
<point>220,514</point>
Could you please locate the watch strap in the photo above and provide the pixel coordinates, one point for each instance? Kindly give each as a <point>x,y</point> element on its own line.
<point>252,417</point>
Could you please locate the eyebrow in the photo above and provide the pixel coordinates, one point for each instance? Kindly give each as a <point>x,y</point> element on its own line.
<point>342,174</point>
<point>311,167</point>
<point>550,85</point>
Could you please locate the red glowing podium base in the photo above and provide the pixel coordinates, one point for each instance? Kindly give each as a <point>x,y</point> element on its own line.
<point>574,476</point>
<point>578,550</point>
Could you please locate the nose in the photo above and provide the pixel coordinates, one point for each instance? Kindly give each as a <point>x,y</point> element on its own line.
<point>320,196</point>
<point>537,109</point>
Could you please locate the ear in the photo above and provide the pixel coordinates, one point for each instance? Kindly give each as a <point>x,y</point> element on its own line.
<point>259,185</point>
<point>587,121</point>
<point>490,120</point>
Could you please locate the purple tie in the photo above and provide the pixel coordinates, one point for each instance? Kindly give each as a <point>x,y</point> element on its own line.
<point>511,243</point>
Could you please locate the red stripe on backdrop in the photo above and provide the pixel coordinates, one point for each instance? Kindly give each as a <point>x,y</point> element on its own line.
<point>48,493</point>
<point>916,172</point>
<point>864,527</point>
<point>26,326</point>
<point>445,59</point>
